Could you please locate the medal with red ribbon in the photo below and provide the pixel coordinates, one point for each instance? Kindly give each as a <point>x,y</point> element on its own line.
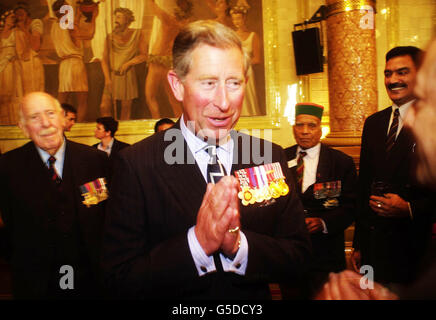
<point>261,183</point>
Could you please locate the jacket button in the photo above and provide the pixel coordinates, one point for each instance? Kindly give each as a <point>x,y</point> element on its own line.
<point>237,266</point>
<point>203,268</point>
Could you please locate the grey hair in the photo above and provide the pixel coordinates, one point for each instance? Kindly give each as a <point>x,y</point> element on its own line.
<point>207,32</point>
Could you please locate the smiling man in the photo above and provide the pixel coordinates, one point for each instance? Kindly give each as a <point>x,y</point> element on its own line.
<point>42,204</point>
<point>179,229</point>
<point>389,230</point>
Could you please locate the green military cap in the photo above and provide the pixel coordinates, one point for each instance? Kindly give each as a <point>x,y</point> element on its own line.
<point>309,108</point>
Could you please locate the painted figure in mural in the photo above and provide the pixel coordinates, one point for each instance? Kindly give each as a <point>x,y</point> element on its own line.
<point>124,48</point>
<point>31,63</point>
<point>221,8</point>
<point>68,44</point>
<point>165,29</point>
<point>251,43</point>
<point>12,45</point>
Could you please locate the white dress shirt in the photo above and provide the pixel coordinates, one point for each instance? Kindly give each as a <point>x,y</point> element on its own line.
<point>310,167</point>
<point>108,149</point>
<point>204,263</point>
<point>403,112</point>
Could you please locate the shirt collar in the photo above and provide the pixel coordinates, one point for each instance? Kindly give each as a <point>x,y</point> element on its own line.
<point>59,155</point>
<point>197,144</point>
<point>403,108</point>
<point>109,146</point>
<point>311,152</point>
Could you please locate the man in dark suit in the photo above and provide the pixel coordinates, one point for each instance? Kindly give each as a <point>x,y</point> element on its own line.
<point>326,183</point>
<point>392,227</point>
<point>52,193</point>
<point>421,119</point>
<point>169,233</point>
<point>105,131</point>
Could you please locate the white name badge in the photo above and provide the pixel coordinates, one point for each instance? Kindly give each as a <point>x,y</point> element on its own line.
<point>292,163</point>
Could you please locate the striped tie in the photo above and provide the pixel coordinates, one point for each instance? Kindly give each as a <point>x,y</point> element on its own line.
<point>392,131</point>
<point>300,169</point>
<point>52,171</point>
<point>215,169</point>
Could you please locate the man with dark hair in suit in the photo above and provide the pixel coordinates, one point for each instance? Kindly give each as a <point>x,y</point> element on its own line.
<point>105,131</point>
<point>326,183</point>
<point>392,226</point>
<point>52,194</point>
<point>421,119</point>
<point>180,224</point>
<point>70,114</point>
<point>163,124</point>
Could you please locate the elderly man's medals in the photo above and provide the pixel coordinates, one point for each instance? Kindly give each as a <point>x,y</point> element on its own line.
<point>328,190</point>
<point>94,192</point>
<point>261,183</point>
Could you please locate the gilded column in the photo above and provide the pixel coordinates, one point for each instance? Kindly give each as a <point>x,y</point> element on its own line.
<point>352,73</point>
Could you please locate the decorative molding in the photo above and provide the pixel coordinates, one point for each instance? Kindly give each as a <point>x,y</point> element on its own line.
<point>348,5</point>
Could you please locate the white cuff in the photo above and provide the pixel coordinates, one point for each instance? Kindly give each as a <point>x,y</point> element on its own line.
<point>410,211</point>
<point>324,227</point>
<point>203,262</point>
<point>239,264</point>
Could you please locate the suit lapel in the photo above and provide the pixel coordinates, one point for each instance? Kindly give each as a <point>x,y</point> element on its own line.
<point>384,120</point>
<point>38,175</point>
<point>293,155</point>
<point>69,163</point>
<point>184,180</point>
<point>322,171</point>
<point>378,132</point>
<point>36,166</point>
<point>115,147</point>
<point>401,150</point>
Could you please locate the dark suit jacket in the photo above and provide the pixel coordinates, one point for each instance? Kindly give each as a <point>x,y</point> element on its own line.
<point>333,165</point>
<point>393,246</point>
<point>48,227</point>
<point>116,147</point>
<point>155,202</point>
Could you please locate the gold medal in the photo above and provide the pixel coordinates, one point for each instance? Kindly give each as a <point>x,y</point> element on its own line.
<point>89,199</point>
<point>265,192</point>
<point>275,190</point>
<point>246,196</point>
<point>284,189</point>
<point>262,183</point>
<point>258,196</point>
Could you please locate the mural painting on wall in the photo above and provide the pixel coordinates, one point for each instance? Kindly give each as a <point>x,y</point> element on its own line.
<point>110,58</point>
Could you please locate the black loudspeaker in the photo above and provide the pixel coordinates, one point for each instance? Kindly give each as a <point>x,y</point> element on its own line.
<point>307,51</point>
